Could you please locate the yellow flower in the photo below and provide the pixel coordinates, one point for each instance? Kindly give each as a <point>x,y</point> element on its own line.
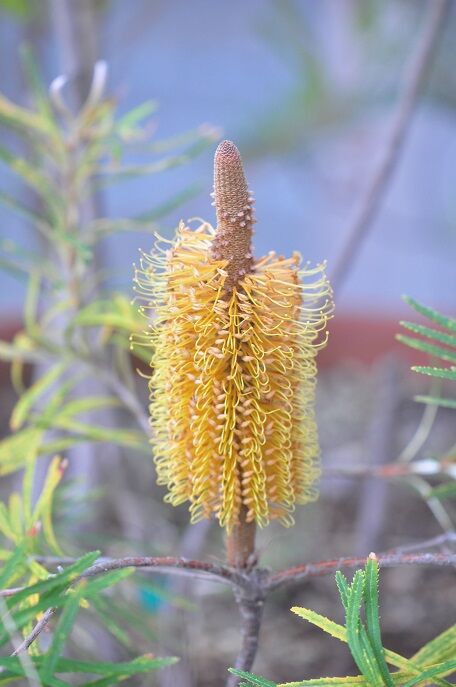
<point>233,365</point>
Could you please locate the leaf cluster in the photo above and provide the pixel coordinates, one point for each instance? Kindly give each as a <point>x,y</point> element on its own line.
<point>360,599</point>
<point>69,594</point>
<point>429,340</point>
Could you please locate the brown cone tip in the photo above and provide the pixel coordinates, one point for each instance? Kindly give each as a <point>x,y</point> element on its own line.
<point>234,209</point>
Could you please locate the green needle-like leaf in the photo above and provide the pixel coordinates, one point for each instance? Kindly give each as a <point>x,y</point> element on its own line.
<point>440,372</point>
<point>371,604</point>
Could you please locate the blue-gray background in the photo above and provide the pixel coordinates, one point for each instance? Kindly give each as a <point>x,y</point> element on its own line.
<point>306,89</point>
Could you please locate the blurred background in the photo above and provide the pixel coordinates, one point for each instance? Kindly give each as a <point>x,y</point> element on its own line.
<point>306,90</point>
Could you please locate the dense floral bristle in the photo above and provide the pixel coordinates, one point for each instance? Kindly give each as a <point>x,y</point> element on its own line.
<point>233,379</point>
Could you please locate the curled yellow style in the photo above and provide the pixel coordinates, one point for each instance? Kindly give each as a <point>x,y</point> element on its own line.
<point>233,364</point>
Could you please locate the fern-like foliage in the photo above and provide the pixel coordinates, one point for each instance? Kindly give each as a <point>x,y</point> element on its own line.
<point>429,340</point>
<point>429,666</point>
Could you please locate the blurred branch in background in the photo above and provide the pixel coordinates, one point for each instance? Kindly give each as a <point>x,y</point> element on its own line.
<point>413,83</point>
<point>75,27</point>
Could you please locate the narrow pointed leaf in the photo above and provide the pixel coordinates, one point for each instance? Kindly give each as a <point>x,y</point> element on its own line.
<point>440,372</point>
<point>442,320</point>
<point>253,679</point>
<point>439,649</point>
<point>439,670</point>
<point>61,633</point>
<point>425,347</point>
<point>430,333</point>
<point>371,603</point>
<point>29,398</point>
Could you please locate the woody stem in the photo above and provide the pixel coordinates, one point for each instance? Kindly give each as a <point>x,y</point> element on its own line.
<point>240,543</point>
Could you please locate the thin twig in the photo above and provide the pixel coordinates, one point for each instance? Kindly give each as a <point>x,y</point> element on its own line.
<point>123,393</point>
<point>10,592</point>
<point>434,504</point>
<point>441,541</point>
<point>39,627</point>
<point>413,83</point>
<point>422,432</point>
<point>301,572</point>
<point>172,565</point>
<point>426,466</point>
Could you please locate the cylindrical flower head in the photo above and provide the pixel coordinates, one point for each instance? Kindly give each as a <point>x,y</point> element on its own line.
<point>233,364</point>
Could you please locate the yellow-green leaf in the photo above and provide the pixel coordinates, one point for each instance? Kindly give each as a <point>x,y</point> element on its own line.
<point>28,399</point>
<point>43,508</point>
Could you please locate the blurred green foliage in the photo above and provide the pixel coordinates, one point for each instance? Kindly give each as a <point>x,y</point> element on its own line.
<point>71,363</point>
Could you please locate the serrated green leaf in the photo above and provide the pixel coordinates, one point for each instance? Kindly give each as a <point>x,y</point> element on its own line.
<point>325,624</point>
<point>409,668</point>
<point>358,642</point>
<point>371,603</point>
<point>440,670</point>
<point>353,681</point>
<point>439,649</point>
<point>26,402</point>
<point>342,586</point>
<point>349,681</point>
<point>430,333</point>
<point>253,679</point>
<point>425,347</point>
<point>440,372</point>
<point>442,320</point>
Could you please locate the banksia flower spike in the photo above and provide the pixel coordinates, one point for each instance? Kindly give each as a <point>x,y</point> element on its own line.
<point>233,366</point>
